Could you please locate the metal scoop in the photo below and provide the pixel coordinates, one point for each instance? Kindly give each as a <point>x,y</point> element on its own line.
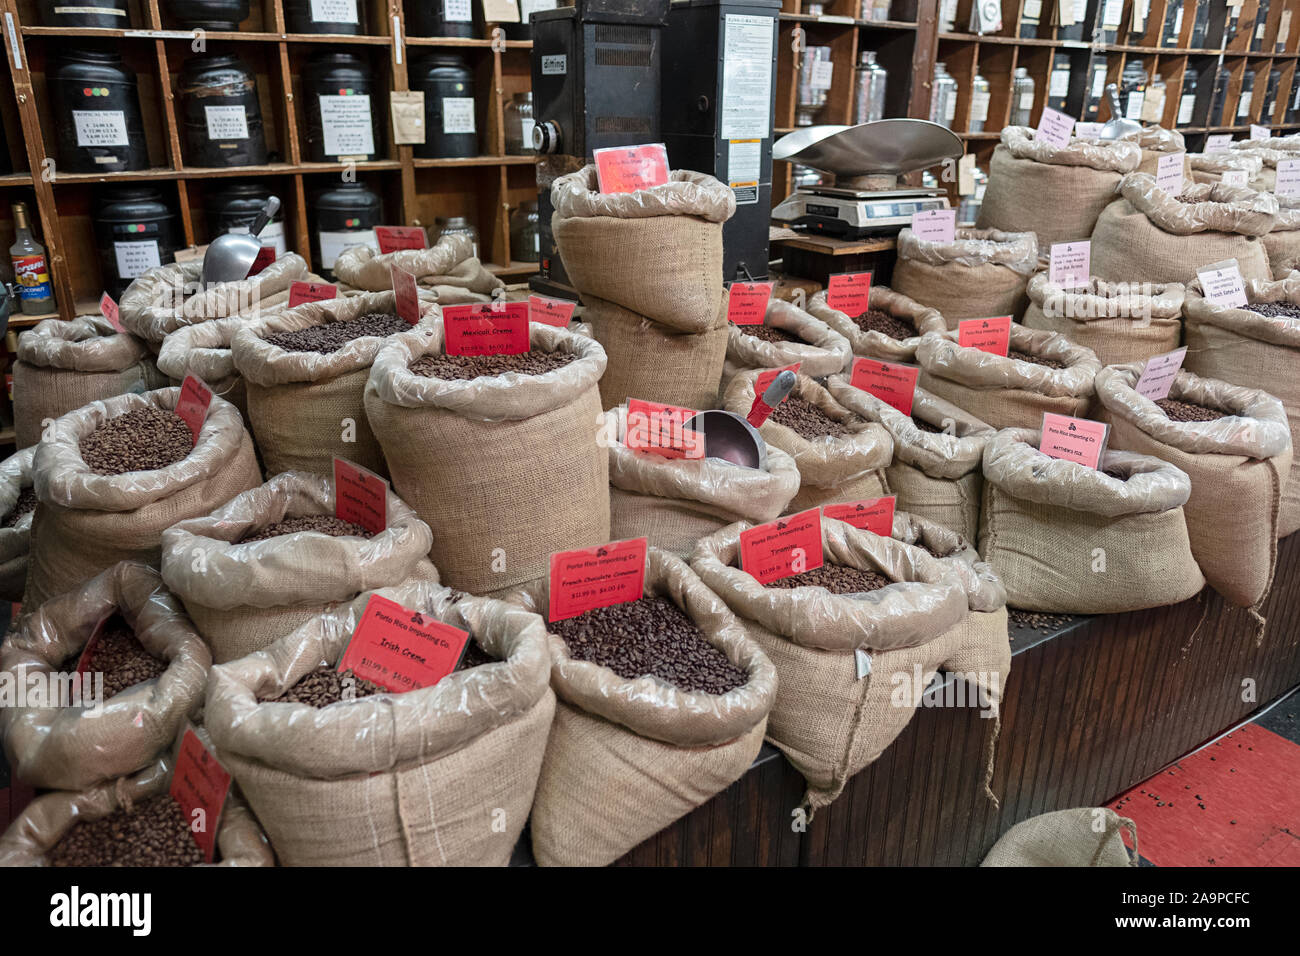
<point>731,438</point>
<point>229,257</point>
<point>1117,127</point>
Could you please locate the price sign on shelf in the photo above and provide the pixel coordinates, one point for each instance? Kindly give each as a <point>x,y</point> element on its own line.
<point>849,292</point>
<point>400,649</point>
<point>300,292</point>
<point>1073,439</point>
<point>1223,285</point>
<point>192,406</point>
<point>360,496</point>
<point>988,335</point>
<point>1054,128</point>
<point>782,547</point>
<point>747,302</point>
<point>1159,374</point>
<point>108,309</point>
<point>935,225</point>
<point>481,329</point>
<point>1071,264</point>
<point>657,429</point>
<point>395,238</point>
<point>627,169</point>
<point>589,578</point>
<point>893,384</point>
<point>200,785</point>
<point>871,514</point>
<point>548,311</point>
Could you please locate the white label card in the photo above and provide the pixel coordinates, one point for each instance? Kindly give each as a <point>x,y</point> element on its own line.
<point>1054,127</point>
<point>135,258</point>
<point>333,11</point>
<point>556,65</point>
<point>1235,177</point>
<point>1288,178</point>
<point>458,114</point>
<point>935,225</point>
<point>747,78</point>
<point>226,122</point>
<point>345,125</point>
<point>1169,173</point>
<point>1071,264</point>
<point>822,73</point>
<point>1223,284</point>
<point>1133,109</point>
<point>1088,130</point>
<point>333,243</point>
<point>1158,376</point>
<point>1260,132</point>
<point>100,127</point>
<point>1218,143</point>
<point>457,11</point>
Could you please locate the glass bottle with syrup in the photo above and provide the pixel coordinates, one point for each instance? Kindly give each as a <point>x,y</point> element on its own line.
<point>31,271</point>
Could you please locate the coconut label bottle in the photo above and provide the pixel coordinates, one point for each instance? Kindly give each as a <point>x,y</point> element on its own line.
<point>31,272</point>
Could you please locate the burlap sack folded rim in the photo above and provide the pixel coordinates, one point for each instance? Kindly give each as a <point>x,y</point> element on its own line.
<point>15,475</point>
<point>48,746</point>
<point>940,355</point>
<point>1017,251</point>
<point>63,478</point>
<point>448,262</point>
<point>1286,144</point>
<point>1014,464</point>
<point>823,351</point>
<point>985,591</point>
<point>1214,208</point>
<point>202,350</point>
<point>511,396</point>
<point>1157,139</point>
<point>262,363</point>
<point>652,707</point>
<point>938,454</point>
<point>386,731</point>
<point>1217,163</point>
<point>1118,156</point>
<point>687,193</point>
<point>1288,215</point>
<point>1062,837</point>
<point>1275,330</point>
<point>1101,300</point>
<point>875,344</point>
<point>757,494</point>
<point>825,461</point>
<point>925,600</point>
<point>88,343</point>
<point>269,573</point>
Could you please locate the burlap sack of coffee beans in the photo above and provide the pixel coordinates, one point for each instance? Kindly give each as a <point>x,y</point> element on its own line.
<point>242,596</point>
<point>1068,539</point>
<point>827,720</point>
<point>628,756</point>
<point>1009,391</point>
<point>1067,838</point>
<point>788,335</point>
<point>1282,242</point>
<point>306,407</point>
<point>656,252</point>
<point>676,501</point>
<point>1267,155</point>
<point>17,509</point>
<point>441,776</point>
<point>47,819</point>
<point>1237,465</point>
<point>1245,347</point>
<point>980,274</point>
<point>891,336</point>
<point>937,467</point>
<point>204,350</point>
<point>1055,192</point>
<point>68,747</point>
<point>1151,236</point>
<point>449,268</point>
<point>845,457</point>
<point>86,522</point>
<point>504,469</point>
<point>1118,321</point>
<point>1210,167</point>
<point>62,366</point>
<point>1156,142</point>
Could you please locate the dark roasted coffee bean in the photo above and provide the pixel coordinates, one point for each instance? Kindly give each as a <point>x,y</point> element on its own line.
<point>1189,411</point>
<point>874,320</point>
<point>806,419</point>
<point>925,426</point>
<point>836,578</point>
<point>143,439</point>
<point>770,333</point>
<point>1034,359</point>
<point>331,336</point>
<point>153,832</point>
<point>1275,310</point>
<point>454,368</point>
<point>1035,621</point>
<point>121,658</point>
<point>324,524</point>
<point>327,685</point>
<point>935,554</point>
<point>25,504</point>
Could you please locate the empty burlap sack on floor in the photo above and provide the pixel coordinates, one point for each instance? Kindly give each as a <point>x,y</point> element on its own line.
<point>450,268</point>
<point>1237,466</point>
<point>44,821</point>
<point>981,274</point>
<point>1118,321</point>
<point>656,252</point>
<point>242,597</point>
<point>72,747</point>
<point>1057,193</point>
<point>504,469</point>
<point>820,351</point>
<point>1282,243</point>
<point>168,297</point>
<point>1155,142</point>
<point>936,475</point>
<point>1009,392</point>
<point>1210,167</point>
<point>1246,348</point>
<point>305,407</point>
<point>829,722</point>
<point>441,776</point>
<point>872,343</point>
<point>626,758</point>
<point>1078,837</point>
<point>844,468</point>
<point>16,534</point>
<point>87,522</point>
<point>1068,539</point>
<point>204,350</point>
<point>62,366</point>
<point>676,501</point>
<point>1151,236</point>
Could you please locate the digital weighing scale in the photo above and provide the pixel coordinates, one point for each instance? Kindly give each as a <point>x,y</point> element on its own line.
<point>866,161</point>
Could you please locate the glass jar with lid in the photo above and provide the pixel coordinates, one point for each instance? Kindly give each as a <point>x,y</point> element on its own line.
<point>943,96</point>
<point>1022,97</point>
<point>525,234</point>
<point>519,124</point>
<point>459,226</point>
<point>979,103</point>
<point>869,89</point>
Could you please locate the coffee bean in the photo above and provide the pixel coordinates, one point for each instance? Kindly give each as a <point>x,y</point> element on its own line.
<point>1188,411</point>
<point>143,439</point>
<point>935,554</point>
<point>836,578</point>
<point>122,659</point>
<point>770,333</point>
<point>1034,359</point>
<point>453,368</point>
<point>153,832</point>
<point>807,420</point>
<point>1275,310</point>
<point>925,426</point>
<point>325,524</point>
<point>874,320</point>
<point>1034,621</point>
<point>331,336</point>
<point>25,505</point>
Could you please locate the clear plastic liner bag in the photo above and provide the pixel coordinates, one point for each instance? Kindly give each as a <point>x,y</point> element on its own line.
<point>204,350</point>
<point>1120,156</point>
<point>820,351</point>
<point>981,273</point>
<point>1283,242</point>
<point>1209,207</point>
<point>16,534</point>
<point>449,267</point>
<point>1210,167</point>
<point>875,344</point>
<point>1017,251</point>
<point>1155,142</point>
<point>1288,144</point>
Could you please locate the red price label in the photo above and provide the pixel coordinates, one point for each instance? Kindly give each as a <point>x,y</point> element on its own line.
<point>627,169</point>
<point>108,309</point>
<point>657,429</point>
<point>891,383</point>
<point>764,379</point>
<point>589,578</point>
<point>300,292</point>
<point>783,547</point>
<point>871,514</point>
<point>87,652</point>
<point>393,238</point>
<point>849,292</point>
<point>557,312</point>
<point>747,302</point>
<point>192,406</point>
<point>265,256</point>
<point>485,329</point>
<point>1073,439</point>
<point>987,335</point>
<point>406,295</point>
<point>400,649</point>
<point>200,785</point>
<point>360,496</point>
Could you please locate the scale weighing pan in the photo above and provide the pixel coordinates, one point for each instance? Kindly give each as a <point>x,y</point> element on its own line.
<point>885,147</point>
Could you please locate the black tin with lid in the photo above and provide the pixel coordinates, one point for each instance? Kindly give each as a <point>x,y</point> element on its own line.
<point>450,115</point>
<point>135,231</point>
<point>331,83</point>
<point>344,17</point>
<point>442,18</point>
<point>220,111</point>
<point>96,14</point>
<point>209,14</point>
<point>96,110</point>
<point>340,210</point>
<point>233,205</point>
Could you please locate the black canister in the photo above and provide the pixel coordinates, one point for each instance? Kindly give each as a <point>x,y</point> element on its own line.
<point>343,108</point>
<point>232,207</point>
<point>107,14</point>
<point>345,215</point>
<point>325,16</point>
<point>135,231</point>
<point>209,14</point>
<point>440,18</point>
<point>449,111</point>
<point>96,109</point>
<point>221,113</point>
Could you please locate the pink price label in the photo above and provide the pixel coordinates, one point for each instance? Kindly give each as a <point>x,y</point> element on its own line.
<point>891,383</point>
<point>200,785</point>
<point>747,302</point>
<point>265,256</point>
<point>360,496</point>
<point>627,169</point>
<point>400,649</point>
<point>484,329</point>
<point>1054,128</point>
<point>588,578</point>
<point>192,406</point>
<point>406,295</point>
<point>849,292</point>
<point>871,514</point>
<point>1073,439</point>
<point>1158,376</point>
<point>547,311</point>
<point>1169,173</point>
<point>88,652</point>
<point>935,225</point>
<point>988,335</point>
<point>657,429</point>
<point>395,238</point>
<point>764,379</point>
<point>300,292</point>
<point>1071,264</point>
<point>782,547</point>
<point>108,309</point>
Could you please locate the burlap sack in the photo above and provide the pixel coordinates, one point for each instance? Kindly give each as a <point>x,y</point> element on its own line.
<point>1069,539</point>
<point>1246,348</point>
<point>829,722</point>
<point>62,366</point>
<point>1057,193</point>
<point>936,475</point>
<point>306,407</point>
<point>979,275</point>
<point>1118,321</point>
<point>204,350</point>
<point>831,469</point>
<point>449,268</point>
<point>1210,167</point>
<point>504,469</point>
<point>1008,392</point>
<point>821,350</point>
<point>242,597</point>
<point>16,536</point>
<point>656,252</point>
<point>1150,236</point>
<point>1282,243</point>
<point>441,776</point>
<point>1265,178</point>
<point>1237,466</point>
<point>87,522</point>
<point>655,363</point>
<point>874,344</point>
<point>68,747</point>
<point>626,758</point>
<point>44,821</point>
<point>1079,837</point>
<point>168,297</point>
<point>1287,144</point>
<point>1155,142</point>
